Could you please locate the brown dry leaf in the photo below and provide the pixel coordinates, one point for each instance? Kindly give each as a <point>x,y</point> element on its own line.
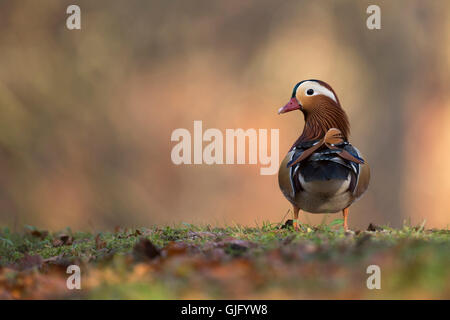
<point>41,234</point>
<point>99,243</point>
<point>29,262</point>
<point>288,224</point>
<point>201,234</point>
<point>374,227</point>
<point>236,277</point>
<point>140,271</point>
<point>66,239</point>
<point>34,285</point>
<point>53,259</point>
<point>145,250</point>
<point>57,242</point>
<point>175,248</point>
<point>237,245</point>
<point>216,254</point>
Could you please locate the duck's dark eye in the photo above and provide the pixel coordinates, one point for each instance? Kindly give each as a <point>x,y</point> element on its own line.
<point>310,92</point>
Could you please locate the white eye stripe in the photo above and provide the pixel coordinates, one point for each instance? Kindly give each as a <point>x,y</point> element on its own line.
<point>318,89</point>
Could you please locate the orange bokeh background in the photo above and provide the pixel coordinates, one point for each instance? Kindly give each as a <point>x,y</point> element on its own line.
<point>87,115</point>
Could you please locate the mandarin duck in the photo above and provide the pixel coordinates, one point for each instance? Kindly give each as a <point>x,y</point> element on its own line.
<point>322,172</point>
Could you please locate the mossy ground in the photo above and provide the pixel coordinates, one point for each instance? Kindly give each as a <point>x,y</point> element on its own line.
<point>191,262</point>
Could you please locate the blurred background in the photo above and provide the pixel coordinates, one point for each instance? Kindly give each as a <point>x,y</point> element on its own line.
<point>87,115</point>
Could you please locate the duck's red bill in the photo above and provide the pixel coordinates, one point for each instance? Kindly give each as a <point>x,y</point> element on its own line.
<point>290,106</point>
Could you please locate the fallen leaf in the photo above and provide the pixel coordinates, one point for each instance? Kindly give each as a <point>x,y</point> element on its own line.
<point>288,224</point>
<point>374,227</point>
<point>201,234</point>
<point>99,243</point>
<point>53,259</point>
<point>57,242</point>
<point>29,262</point>
<point>174,248</point>
<point>66,239</point>
<point>39,234</point>
<point>145,250</point>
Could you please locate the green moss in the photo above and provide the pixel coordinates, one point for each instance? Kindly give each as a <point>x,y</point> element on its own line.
<point>322,260</point>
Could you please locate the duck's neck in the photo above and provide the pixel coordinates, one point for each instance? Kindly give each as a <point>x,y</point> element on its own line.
<point>319,121</point>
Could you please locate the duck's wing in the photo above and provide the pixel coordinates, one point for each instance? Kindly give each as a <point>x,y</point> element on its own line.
<point>285,180</point>
<point>331,148</point>
<point>363,181</point>
<point>303,150</point>
<point>297,154</point>
<point>361,170</point>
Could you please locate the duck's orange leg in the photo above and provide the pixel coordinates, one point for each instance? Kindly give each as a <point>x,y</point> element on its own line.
<point>296,211</point>
<point>345,214</point>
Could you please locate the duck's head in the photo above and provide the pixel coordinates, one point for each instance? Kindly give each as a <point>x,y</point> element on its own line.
<point>320,107</point>
<point>309,96</point>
